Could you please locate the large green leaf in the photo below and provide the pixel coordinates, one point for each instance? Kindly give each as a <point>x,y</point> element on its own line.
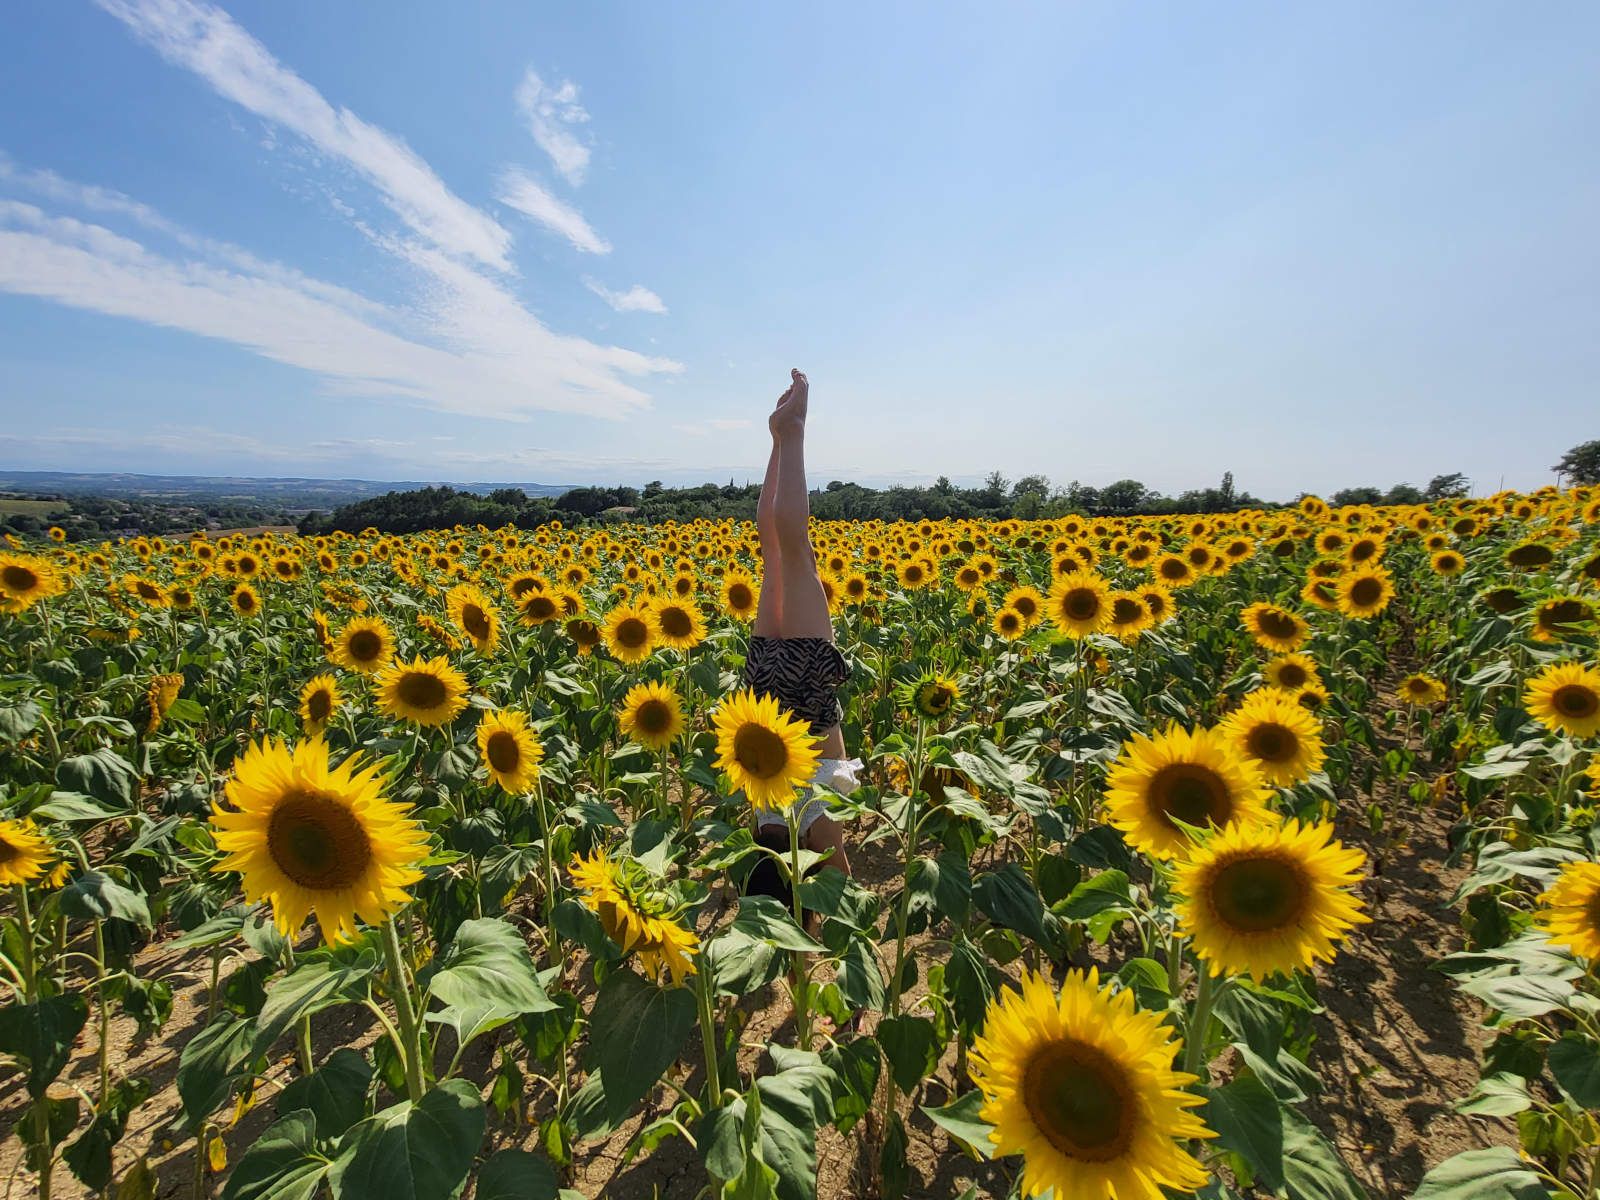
<point>18,720</point>
<point>335,1093</point>
<point>960,1119</point>
<point>1107,891</point>
<point>1521,996</point>
<point>1007,898</point>
<point>94,896</point>
<point>1493,1174</point>
<point>210,1062</point>
<point>337,977</point>
<point>104,774</point>
<point>1499,1095</point>
<point>766,919</point>
<point>796,1101</point>
<point>740,963</point>
<point>487,963</point>
<point>1575,1062</point>
<point>1245,1117</point>
<point>75,806</point>
<point>1312,1168</point>
<point>42,1033</point>
<point>855,1066</point>
<point>860,979</point>
<point>282,1164</point>
<point>635,1031</point>
<point>516,1175</point>
<point>420,1151</point>
<point>911,1046</point>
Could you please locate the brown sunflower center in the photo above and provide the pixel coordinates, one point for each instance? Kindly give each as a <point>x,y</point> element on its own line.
<point>421,690</point>
<point>320,705</point>
<point>1081,604</point>
<point>739,597</point>
<point>1292,675</point>
<point>632,633</point>
<point>1563,612</point>
<point>1009,621</point>
<point>503,752</point>
<point>317,842</point>
<point>148,591</point>
<point>1271,742</point>
<point>1575,700</point>
<point>364,645</point>
<point>1174,568</point>
<point>1365,591</point>
<point>1080,1100</point>
<point>1258,894</point>
<point>475,621</point>
<point>1276,623</point>
<point>540,607</point>
<point>1026,606</point>
<point>760,751</point>
<point>675,622</point>
<point>653,716</point>
<point>1194,794</point>
<point>585,633</point>
<point>245,600</point>
<point>1126,611</point>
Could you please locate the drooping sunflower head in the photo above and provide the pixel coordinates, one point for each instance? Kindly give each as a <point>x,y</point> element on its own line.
<point>930,695</point>
<point>1266,898</point>
<point>767,753</point>
<point>630,632</point>
<point>159,697</point>
<point>637,913</point>
<point>1570,911</point>
<point>1565,698</point>
<point>428,692</point>
<point>585,634</point>
<point>1195,778</point>
<point>1081,1085</point>
<point>1290,671</point>
<point>1421,690</point>
<point>1502,600</point>
<point>510,749</point>
<point>1079,603</point>
<point>1563,616</point>
<point>652,715</point>
<point>1530,556</point>
<point>319,700</point>
<point>1278,735</point>
<point>25,853</point>
<point>364,645</point>
<point>309,837</point>
<point>1273,627</point>
<point>473,613</point>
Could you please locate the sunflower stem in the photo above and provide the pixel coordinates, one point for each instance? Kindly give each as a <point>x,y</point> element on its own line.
<point>802,996</point>
<point>553,941</point>
<point>703,987</point>
<point>41,1106</point>
<point>1195,1061</point>
<point>405,1014</point>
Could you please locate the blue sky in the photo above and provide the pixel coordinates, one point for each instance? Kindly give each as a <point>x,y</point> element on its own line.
<point>1317,245</point>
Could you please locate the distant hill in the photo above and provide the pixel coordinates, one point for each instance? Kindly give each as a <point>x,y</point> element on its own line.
<point>292,494</point>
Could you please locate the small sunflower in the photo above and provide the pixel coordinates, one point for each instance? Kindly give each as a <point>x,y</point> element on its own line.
<point>364,645</point>
<point>1570,910</point>
<point>1173,571</point>
<point>1502,601</point>
<point>1272,627</point>
<point>1159,601</point>
<point>425,691</point>
<point>740,595</point>
<point>679,624</point>
<point>931,695</point>
<point>147,591</point>
<point>1281,738</point>
<point>652,715</point>
<point>535,608</point>
<point>1130,616</point>
<point>319,700</point>
<point>1565,698</point>
<point>1028,601</point>
<point>1009,624</point>
<point>25,853</point>
<point>1558,617</point>
<point>310,838</point>
<point>767,753</point>
<point>1197,777</point>
<point>246,600</point>
<point>1079,603</point>
<point>630,632</point>
<point>1081,1085</point>
<point>585,634</point>
<point>1421,690</point>
<point>473,613</point>
<point>1290,671</point>
<point>1447,562</point>
<point>510,749</point>
<point>636,913</point>
<point>1364,591</point>
<point>1265,899</point>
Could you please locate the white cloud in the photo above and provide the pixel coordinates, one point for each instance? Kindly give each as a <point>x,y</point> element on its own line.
<point>521,191</point>
<point>638,298</point>
<point>550,113</point>
<point>206,40</point>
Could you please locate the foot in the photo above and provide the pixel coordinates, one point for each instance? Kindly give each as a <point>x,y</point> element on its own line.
<point>790,415</point>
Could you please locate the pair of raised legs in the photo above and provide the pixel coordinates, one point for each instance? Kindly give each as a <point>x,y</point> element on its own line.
<point>793,604</point>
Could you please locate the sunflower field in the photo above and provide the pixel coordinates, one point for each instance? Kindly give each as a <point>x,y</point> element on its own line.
<point>1253,854</point>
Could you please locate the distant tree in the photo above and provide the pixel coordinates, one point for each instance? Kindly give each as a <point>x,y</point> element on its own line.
<point>1581,464</point>
<point>994,489</point>
<point>1446,487</point>
<point>1226,496</point>
<point>511,497</point>
<point>943,487</point>
<point>1123,496</point>
<point>1356,495</point>
<point>1404,493</point>
<point>653,488</point>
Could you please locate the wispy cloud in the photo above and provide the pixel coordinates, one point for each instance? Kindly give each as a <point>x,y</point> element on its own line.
<point>727,423</point>
<point>521,191</point>
<point>714,425</point>
<point>204,39</point>
<point>550,114</point>
<point>638,298</point>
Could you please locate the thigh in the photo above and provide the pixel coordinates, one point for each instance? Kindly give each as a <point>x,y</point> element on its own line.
<point>827,834</point>
<point>805,605</point>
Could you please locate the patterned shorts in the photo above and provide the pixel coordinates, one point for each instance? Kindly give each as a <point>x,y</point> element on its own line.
<point>803,673</point>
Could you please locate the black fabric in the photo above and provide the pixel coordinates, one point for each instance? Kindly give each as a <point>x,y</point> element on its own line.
<point>804,675</point>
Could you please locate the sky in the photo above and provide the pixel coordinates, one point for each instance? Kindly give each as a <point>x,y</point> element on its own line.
<point>1315,245</point>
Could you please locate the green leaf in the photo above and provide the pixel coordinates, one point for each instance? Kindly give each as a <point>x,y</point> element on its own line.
<point>42,1033</point>
<point>335,1093</point>
<point>94,896</point>
<point>282,1164</point>
<point>1007,897</point>
<point>943,885</point>
<point>766,919</point>
<point>635,1031</point>
<point>104,774</point>
<point>516,1175</point>
<point>1499,1095</point>
<point>210,1063</point>
<point>1521,996</point>
<point>968,983</point>
<point>487,963</point>
<point>220,928</point>
<point>860,979</point>
<point>1575,1062</point>
<point>1246,1119</point>
<point>18,720</point>
<point>960,1119</point>
<point>1493,1174</point>
<point>1289,1079</point>
<point>420,1151</point>
<point>855,1066</point>
<point>311,987</point>
<point>74,806</point>
<point>740,963</point>
<point>1255,1019</point>
<point>911,1046</point>
<point>1312,1168</point>
<point>1104,892</point>
<point>796,1101</point>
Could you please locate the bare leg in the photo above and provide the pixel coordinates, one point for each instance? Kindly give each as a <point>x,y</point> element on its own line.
<point>769,607</point>
<point>827,834</point>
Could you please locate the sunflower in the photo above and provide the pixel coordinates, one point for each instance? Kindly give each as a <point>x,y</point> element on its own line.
<point>767,753</point>
<point>679,624</point>
<point>1531,556</point>
<point>1570,911</point>
<point>1290,671</point>
<point>1502,600</point>
<point>510,749</point>
<point>474,614</point>
<point>1556,617</point>
<point>159,697</point>
<point>426,691</point>
<point>630,632</point>
<point>1281,738</point>
<point>246,600</point>
<point>1565,698</point>
<point>1009,624</point>
<point>652,715</point>
<point>1172,571</point>
<point>1129,616</point>
<point>1028,601</point>
<point>636,914</point>
<point>537,608</point>
<point>1196,777</point>
<point>1448,562</point>
<point>740,595</point>
<point>1421,690</point>
<point>1266,899</point>
<point>931,695</point>
<point>1081,1085</point>
<point>148,591</point>
<point>586,635</point>
<point>1364,592</point>
<point>25,853</point>
<point>310,838</point>
<point>364,645</point>
<point>1159,601</point>
<point>1272,627</point>
<point>319,700</point>
<point>25,580</point>
<point>1079,603</point>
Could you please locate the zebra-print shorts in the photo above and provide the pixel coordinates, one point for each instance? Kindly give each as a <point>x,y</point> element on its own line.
<point>803,673</point>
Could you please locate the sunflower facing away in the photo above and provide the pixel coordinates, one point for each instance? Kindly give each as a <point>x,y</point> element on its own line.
<point>159,697</point>
<point>1079,603</point>
<point>1570,911</point>
<point>25,853</point>
<point>510,749</point>
<point>1274,732</point>
<point>636,914</point>
<point>313,839</point>
<point>930,695</point>
<point>630,633</point>
<point>364,645</point>
<point>1082,1086</point>
<point>319,700</point>
<point>766,752</point>
<point>1272,627</point>
<point>1565,698</point>
<point>652,715</point>
<point>1265,898</point>
<point>1421,690</point>
<point>473,613</point>
<point>1197,777</point>
<point>428,691</point>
